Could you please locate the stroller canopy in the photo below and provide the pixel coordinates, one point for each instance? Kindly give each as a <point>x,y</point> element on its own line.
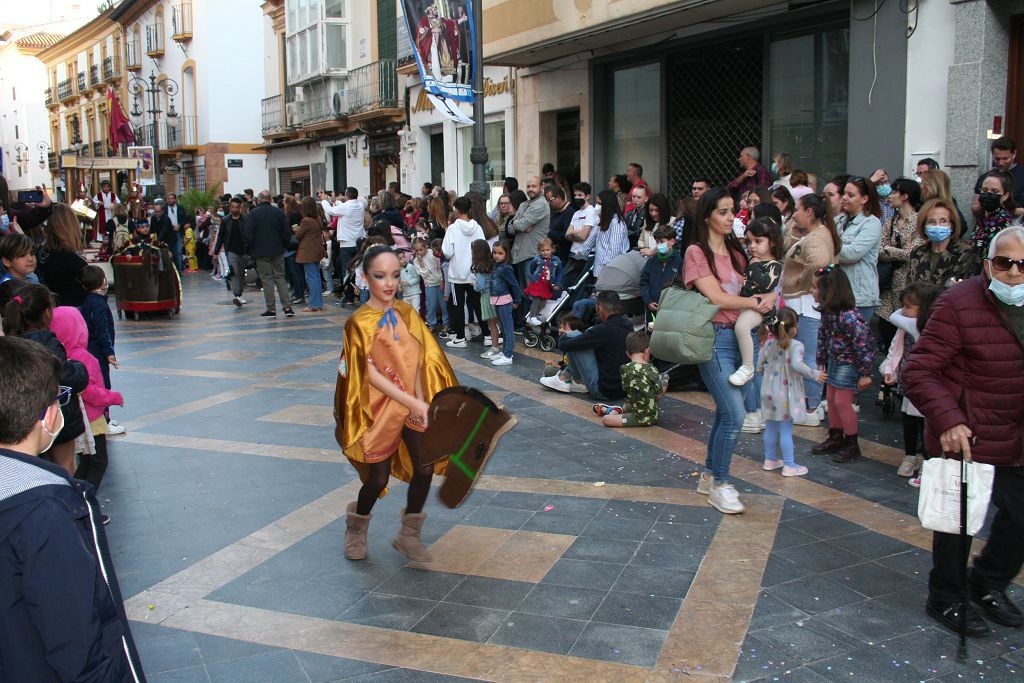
<point>622,275</point>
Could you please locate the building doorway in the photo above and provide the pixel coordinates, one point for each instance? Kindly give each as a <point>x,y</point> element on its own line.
<point>437,158</point>
<point>339,161</point>
<point>295,179</point>
<point>384,156</point>
<point>567,144</point>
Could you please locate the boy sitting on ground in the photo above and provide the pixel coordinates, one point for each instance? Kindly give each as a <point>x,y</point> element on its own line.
<point>642,384</point>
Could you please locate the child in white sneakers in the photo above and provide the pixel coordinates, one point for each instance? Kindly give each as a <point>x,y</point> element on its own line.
<point>764,242</point>
<point>782,392</point>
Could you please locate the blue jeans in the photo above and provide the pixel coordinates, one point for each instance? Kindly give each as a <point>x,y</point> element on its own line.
<point>581,308</point>
<point>807,334</point>
<point>781,433</point>
<point>752,396</point>
<point>729,408</point>
<point>179,260</point>
<point>582,367</point>
<point>506,325</point>
<point>316,294</point>
<point>868,312</point>
<point>435,303</point>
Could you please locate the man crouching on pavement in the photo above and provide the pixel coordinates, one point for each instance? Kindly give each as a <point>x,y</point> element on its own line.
<point>63,618</point>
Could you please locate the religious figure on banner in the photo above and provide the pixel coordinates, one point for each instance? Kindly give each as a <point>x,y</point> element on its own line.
<point>437,40</point>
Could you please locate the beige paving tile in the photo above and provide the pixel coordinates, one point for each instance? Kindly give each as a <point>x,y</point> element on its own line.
<point>464,548</point>
<point>525,556</point>
<point>302,414</point>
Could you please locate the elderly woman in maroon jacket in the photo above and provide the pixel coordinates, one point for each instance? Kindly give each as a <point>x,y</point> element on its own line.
<point>964,376</point>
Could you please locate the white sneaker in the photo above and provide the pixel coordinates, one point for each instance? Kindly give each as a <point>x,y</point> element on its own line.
<point>743,374</point>
<point>812,418</point>
<point>534,320</point>
<point>456,343</point>
<point>907,467</point>
<point>555,382</point>
<point>752,423</point>
<point>577,387</point>
<point>725,499</point>
<point>502,359</point>
<point>487,340</point>
<point>490,353</point>
<point>114,428</point>
<point>705,483</point>
<point>238,301</point>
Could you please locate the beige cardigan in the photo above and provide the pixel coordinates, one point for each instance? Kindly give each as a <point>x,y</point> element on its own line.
<point>813,251</point>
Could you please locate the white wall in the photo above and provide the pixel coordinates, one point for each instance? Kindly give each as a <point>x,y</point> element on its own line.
<point>271,59</point>
<point>230,33</point>
<point>252,174</point>
<point>929,56</point>
<point>22,108</point>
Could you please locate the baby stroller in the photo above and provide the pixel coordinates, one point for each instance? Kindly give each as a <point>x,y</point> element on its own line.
<point>546,334</point>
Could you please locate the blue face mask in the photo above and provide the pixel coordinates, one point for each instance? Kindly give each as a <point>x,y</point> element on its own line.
<point>937,233</point>
<point>775,168</point>
<point>5,221</point>
<point>664,248</point>
<point>884,190</point>
<point>1009,295</point>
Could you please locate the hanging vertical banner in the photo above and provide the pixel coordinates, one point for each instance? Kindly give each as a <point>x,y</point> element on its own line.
<point>145,168</point>
<point>442,33</point>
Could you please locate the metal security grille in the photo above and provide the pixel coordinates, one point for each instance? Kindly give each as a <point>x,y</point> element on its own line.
<point>714,110</point>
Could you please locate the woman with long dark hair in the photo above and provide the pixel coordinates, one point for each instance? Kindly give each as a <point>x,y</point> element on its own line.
<point>899,238</point>
<point>60,260</point>
<point>860,228</point>
<point>612,235</point>
<point>657,214</point>
<point>714,265</point>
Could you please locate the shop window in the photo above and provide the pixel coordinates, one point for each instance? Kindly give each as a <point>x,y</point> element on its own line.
<point>494,139</point>
<point>634,123</point>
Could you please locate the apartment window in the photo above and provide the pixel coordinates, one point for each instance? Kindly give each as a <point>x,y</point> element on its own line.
<point>316,36</point>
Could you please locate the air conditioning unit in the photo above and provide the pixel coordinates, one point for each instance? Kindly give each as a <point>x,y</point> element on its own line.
<point>293,113</point>
<point>338,104</point>
<point>299,96</point>
<point>410,138</point>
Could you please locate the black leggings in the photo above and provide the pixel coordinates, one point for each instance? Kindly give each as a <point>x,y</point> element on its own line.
<point>380,474</point>
<point>913,434</point>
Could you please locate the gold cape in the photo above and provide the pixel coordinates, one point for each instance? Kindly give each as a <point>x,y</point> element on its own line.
<point>351,394</point>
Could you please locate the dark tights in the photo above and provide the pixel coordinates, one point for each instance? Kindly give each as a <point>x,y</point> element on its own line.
<point>380,474</point>
<point>913,433</point>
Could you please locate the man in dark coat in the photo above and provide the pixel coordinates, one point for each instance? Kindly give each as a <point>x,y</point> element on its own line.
<point>964,375</point>
<point>63,618</point>
<point>267,234</point>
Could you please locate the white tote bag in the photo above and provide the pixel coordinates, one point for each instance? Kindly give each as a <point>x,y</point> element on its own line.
<point>938,507</point>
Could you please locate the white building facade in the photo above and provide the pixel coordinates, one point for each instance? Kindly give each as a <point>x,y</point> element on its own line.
<point>24,134</point>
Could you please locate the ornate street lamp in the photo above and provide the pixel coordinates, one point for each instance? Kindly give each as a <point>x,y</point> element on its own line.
<point>139,88</point>
<point>21,150</point>
<point>44,149</point>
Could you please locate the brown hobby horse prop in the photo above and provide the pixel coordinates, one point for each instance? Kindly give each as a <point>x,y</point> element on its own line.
<point>465,427</point>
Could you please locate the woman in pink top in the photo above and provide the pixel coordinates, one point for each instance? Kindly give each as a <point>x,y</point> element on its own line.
<point>714,266</point>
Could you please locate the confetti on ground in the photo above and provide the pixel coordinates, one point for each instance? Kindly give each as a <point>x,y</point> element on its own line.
<point>598,483</point>
<point>549,508</point>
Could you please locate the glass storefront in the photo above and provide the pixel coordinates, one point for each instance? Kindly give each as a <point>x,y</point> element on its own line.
<point>634,121</point>
<point>494,137</point>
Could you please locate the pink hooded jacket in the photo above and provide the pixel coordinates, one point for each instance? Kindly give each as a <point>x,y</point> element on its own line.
<point>69,327</point>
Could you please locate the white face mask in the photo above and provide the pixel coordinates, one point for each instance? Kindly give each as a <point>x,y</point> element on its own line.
<point>53,435</point>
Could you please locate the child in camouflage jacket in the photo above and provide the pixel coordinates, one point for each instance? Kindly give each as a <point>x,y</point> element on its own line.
<point>643,385</point>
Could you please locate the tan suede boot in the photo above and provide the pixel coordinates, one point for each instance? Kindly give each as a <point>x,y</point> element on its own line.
<point>408,541</point>
<point>355,534</point>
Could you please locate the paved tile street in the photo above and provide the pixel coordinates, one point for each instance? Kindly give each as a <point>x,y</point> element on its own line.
<point>583,554</point>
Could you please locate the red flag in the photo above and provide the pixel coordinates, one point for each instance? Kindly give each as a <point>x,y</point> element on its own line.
<point>121,130</point>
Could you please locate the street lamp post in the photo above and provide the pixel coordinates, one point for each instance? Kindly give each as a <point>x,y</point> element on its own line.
<point>478,152</point>
<point>21,153</point>
<point>44,149</point>
<point>139,88</point>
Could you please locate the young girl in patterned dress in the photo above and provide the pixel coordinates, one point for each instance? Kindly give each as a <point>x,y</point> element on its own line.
<point>846,353</point>
<point>782,392</point>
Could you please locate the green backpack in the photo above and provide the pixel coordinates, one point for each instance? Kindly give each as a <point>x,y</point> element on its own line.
<point>683,332</point>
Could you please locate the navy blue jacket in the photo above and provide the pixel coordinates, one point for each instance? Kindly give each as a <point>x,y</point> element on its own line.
<point>503,281</point>
<point>266,231</point>
<point>657,275</point>
<point>100,322</point>
<point>608,341</point>
<point>63,617</point>
<point>72,374</point>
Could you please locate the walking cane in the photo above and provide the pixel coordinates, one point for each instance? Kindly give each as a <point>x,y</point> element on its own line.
<point>962,651</point>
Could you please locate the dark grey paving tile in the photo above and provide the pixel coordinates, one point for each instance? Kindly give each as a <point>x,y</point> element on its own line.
<point>685,534</point>
<point>408,676</point>
<point>820,557</point>
<point>807,641</point>
<point>873,579</point>
<point>216,649</point>
<point>325,669</point>
<point>465,622</point>
<point>932,650</point>
<point>815,594</point>
<point>872,621</point>
<point>420,583</point>
<point>562,601</point>
<point>583,574</point>
<point>871,545</point>
<point>481,591</point>
<point>758,661</point>
<point>270,667</point>
<point>995,670</point>
<point>192,674</point>
<point>690,514</point>
<point>601,550</point>
<point>632,509</point>
<point>915,563</point>
<point>498,518</point>
<point>823,525</point>
<point>771,611</point>
<point>798,675</point>
<point>645,611</point>
<point>623,644</point>
<point>538,632</point>
<point>780,570</point>
<point>165,649</point>
<point>512,500</point>
<point>793,510</point>
<point>669,555</point>
<point>790,537</point>
<point>365,575</point>
<point>620,528</point>
<point>670,583</point>
<point>577,505</point>
<point>555,522</point>
<point>388,611</point>
<point>867,664</point>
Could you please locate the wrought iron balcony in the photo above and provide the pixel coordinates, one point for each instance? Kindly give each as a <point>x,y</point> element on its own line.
<point>373,87</point>
<point>94,75</point>
<point>81,81</point>
<point>48,96</point>
<point>65,90</point>
<point>132,55</point>
<point>181,22</point>
<point>111,68</point>
<point>272,120</point>
<point>182,134</point>
<point>99,149</point>
<point>155,40</point>
<point>146,136</point>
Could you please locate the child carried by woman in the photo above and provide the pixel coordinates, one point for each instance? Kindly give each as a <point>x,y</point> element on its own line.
<point>761,277</point>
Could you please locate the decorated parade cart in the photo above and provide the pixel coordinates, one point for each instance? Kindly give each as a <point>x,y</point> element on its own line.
<point>146,280</point>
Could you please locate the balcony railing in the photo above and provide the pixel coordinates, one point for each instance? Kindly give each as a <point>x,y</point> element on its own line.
<point>111,68</point>
<point>51,159</point>
<point>65,89</point>
<point>81,81</point>
<point>155,40</point>
<point>48,95</point>
<point>181,134</point>
<point>132,55</point>
<point>373,87</point>
<point>85,151</point>
<point>272,120</point>
<point>181,22</point>
<point>146,136</point>
<point>99,149</point>
<point>94,75</point>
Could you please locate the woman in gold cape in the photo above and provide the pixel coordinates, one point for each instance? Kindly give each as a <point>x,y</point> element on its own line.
<point>378,434</point>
